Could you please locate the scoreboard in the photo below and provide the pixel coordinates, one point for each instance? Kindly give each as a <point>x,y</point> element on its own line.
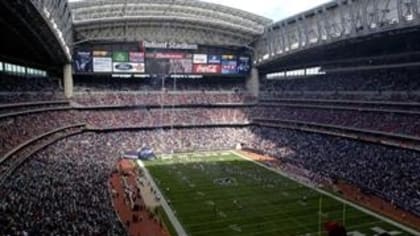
<point>161,61</point>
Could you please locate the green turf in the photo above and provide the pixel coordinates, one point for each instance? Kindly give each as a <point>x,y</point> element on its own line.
<point>254,201</point>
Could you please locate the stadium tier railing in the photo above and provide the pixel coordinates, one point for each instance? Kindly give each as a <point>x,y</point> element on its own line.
<point>28,96</point>
<point>143,106</point>
<point>393,139</point>
<point>354,131</point>
<point>343,108</point>
<point>347,95</point>
<point>360,103</point>
<point>33,111</point>
<point>17,161</point>
<point>378,137</point>
<point>29,142</point>
<point>32,104</point>
<point>176,92</point>
<point>165,127</point>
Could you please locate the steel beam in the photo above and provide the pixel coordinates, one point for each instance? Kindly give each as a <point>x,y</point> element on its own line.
<point>338,20</point>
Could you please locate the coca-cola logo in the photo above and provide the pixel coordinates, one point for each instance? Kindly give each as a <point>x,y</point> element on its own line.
<point>124,66</point>
<point>207,68</point>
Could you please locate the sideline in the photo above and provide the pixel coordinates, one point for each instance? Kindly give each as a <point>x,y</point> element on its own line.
<point>114,208</point>
<point>174,221</point>
<point>369,212</point>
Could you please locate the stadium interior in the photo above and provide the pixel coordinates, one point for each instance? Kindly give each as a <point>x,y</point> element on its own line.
<point>330,96</point>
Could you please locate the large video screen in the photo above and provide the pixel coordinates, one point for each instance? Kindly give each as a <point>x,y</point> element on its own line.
<point>168,63</point>
<point>161,62</point>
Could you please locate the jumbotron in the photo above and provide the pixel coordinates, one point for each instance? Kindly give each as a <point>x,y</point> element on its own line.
<point>186,117</point>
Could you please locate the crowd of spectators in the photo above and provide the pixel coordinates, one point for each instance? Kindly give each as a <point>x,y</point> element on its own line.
<point>91,84</point>
<point>387,96</point>
<point>131,98</point>
<point>398,123</point>
<point>387,172</point>
<point>8,109</point>
<point>27,83</point>
<point>70,194</point>
<point>381,100</point>
<point>15,158</point>
<point>16,130</point>
<point>23,97</point>
<point>63,190</point>
<point>166,117</point>
<point>19,129</point>
<point>15,89</point>
<point>187,98</point>
<point>374,81</point>
<point>387,106</point>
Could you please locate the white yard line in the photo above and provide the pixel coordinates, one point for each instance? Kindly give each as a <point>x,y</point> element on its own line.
<point>369,212</point>
<point>171,215</point>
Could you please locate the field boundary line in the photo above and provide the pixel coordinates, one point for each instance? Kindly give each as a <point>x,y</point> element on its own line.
<point>171,215</point>
<point>195,153</point>
<point>366,211</point>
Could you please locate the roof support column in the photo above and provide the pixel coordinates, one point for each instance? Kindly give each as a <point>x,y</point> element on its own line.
<point>68,80</point>
<point>253,82</point>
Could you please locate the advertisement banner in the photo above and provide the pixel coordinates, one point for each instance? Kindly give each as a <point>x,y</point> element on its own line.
<point>244,65</point>
<point>102,64</point>
<point>206,69</point>
<point>137,57</point>
<point>200,58</point>
<point>229,67</point>
<point>214,59</point>
<point>169,55</point>
<point>102,54</point>
<point>166,55</point>
<point>83,62</point>
<point>128,67</point>
<point>120,56</point>
<point>180,66</point>
<point>228,58</point>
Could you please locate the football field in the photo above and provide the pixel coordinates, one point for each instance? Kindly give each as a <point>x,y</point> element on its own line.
<point>225,194</point>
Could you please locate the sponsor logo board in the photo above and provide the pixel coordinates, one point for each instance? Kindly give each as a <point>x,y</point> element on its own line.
<point>214,59</point>
<point>206,69</point>
<point>169,56</point>
<point>128,67</point>
<point>137,57</point>
<point>120,56</point>
<point>102,64</point>
<point>228,58</point>
<point>229,67</point>
<point>83,61</point>
<point>102,54</point>
<point>200,58</point>
<point>244,65</point>
<point>164,55</point>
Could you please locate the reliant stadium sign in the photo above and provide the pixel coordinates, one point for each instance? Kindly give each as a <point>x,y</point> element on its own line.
<point>170,45</point>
